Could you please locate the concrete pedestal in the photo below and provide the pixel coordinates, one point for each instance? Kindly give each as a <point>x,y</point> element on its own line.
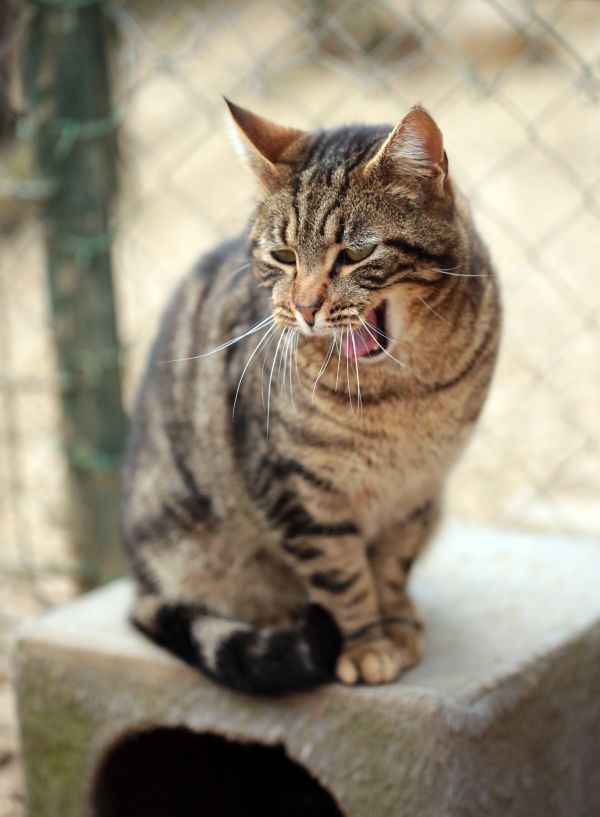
<point>502,717</point>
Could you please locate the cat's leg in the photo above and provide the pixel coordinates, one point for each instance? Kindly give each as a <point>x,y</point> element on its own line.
<point>337,576</point>
<point>392,556</point>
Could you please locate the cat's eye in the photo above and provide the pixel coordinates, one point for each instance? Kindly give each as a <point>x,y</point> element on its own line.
<point>353,256</point>
<point>284,256</point>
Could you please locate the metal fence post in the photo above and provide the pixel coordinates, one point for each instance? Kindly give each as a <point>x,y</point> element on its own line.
<point>66,76</point>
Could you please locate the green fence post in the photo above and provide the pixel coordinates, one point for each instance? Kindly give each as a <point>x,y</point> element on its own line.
<point>66,76</point>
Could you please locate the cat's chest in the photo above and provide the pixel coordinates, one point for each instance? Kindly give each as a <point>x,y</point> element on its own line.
<point>383,483</point>
<point>385,477</point>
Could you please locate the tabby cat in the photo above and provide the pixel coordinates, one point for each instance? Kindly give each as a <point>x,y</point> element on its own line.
<point>312,383</point>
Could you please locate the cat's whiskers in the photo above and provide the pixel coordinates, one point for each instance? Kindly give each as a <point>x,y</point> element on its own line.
<point>348,382</point>
<point>282,359</point>
<point>358,394</point>
<point>324,365</point>
<point>404,341</point>
<point>296,355</point>
<point>254,351</point>
<point>385,351</point>
<point>460,274</point>
<point>256,328</point>
<point>339,345</point>
<point>239,269</point>
<point>291,354</point>
<point>262,375</point>
<point>379,332</point>
<point>435,312</point>
<point>285,356</point>
<point>271,379</point>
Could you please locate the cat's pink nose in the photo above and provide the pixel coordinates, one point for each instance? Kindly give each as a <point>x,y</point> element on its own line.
<point>308,311</point>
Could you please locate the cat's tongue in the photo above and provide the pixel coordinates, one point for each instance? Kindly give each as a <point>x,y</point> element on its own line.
<point>362,342</point>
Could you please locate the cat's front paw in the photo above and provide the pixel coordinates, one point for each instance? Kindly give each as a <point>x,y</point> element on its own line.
<point>372,662</point>
<point>408,640</point>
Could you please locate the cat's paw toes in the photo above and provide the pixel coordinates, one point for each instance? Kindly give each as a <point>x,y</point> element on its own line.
<point>375,662</point>
<point>408,640</point>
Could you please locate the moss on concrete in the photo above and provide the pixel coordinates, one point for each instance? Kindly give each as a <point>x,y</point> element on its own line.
<point>57,733</point>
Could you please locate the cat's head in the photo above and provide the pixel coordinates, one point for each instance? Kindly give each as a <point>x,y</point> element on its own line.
<point>351,223</point>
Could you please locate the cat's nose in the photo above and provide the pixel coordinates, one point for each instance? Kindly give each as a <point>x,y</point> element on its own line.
<point>309,311</point>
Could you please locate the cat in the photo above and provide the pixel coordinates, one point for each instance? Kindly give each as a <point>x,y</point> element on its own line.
<point>312,383</point>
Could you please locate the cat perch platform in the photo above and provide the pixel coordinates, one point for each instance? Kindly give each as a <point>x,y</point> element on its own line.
<point>502,717</point>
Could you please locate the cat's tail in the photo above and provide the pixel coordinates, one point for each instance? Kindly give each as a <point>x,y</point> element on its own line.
<point>267,661</point>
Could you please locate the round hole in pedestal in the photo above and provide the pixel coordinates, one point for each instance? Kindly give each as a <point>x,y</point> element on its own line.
<point>178,773</point>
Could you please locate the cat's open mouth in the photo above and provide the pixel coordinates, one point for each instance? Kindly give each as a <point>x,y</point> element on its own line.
<point>370,340</point>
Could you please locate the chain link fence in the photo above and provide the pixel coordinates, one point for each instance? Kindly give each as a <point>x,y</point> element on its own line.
<point>514,86</point>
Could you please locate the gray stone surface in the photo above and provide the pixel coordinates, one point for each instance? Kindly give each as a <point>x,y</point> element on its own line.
<point>502,717</point>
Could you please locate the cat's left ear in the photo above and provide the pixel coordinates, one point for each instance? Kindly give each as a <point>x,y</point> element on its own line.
<point>413,152</point>
<point>268,148</point>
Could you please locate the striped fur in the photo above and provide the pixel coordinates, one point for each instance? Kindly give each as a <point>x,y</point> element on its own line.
<point>273,508</point>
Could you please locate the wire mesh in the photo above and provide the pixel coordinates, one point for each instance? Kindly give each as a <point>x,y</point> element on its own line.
<point>515,87</point>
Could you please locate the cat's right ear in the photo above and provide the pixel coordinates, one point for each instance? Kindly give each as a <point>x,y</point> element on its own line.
<point>269,149</point>
<point>413,155</point>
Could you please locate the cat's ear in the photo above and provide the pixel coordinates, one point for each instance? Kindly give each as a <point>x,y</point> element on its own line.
<point>413,152</point>
<point>268,148</point>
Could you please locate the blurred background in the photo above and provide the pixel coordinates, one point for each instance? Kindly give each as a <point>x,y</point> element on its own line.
<point>116,172</point>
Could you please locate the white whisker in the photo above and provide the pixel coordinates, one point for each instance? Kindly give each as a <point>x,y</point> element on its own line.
<point>282,359</point>
<point>296,355</point>
<point>239,269</point>
<point>271,379</point>
<point>385,351</point>
<point>435,312</point>
<point>460,274</point>
<point>286,354</point>
<point>262,374</point>
<point>291,354</point>
<point>254,351</point>
<point>324,365</point>
<point>394,340</point>
<point>348,382</point>
<point>251,331</point>
<point>339,345</point>
<point>358,394</point>
<point>379,332</point>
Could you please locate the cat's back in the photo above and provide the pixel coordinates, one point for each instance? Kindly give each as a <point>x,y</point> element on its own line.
<point>182,403</point>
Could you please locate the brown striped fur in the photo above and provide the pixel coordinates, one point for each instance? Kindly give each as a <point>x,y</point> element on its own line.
<point>271,548</point>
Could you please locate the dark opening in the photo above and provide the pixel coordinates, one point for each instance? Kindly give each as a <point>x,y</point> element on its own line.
<point>176,773</point>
